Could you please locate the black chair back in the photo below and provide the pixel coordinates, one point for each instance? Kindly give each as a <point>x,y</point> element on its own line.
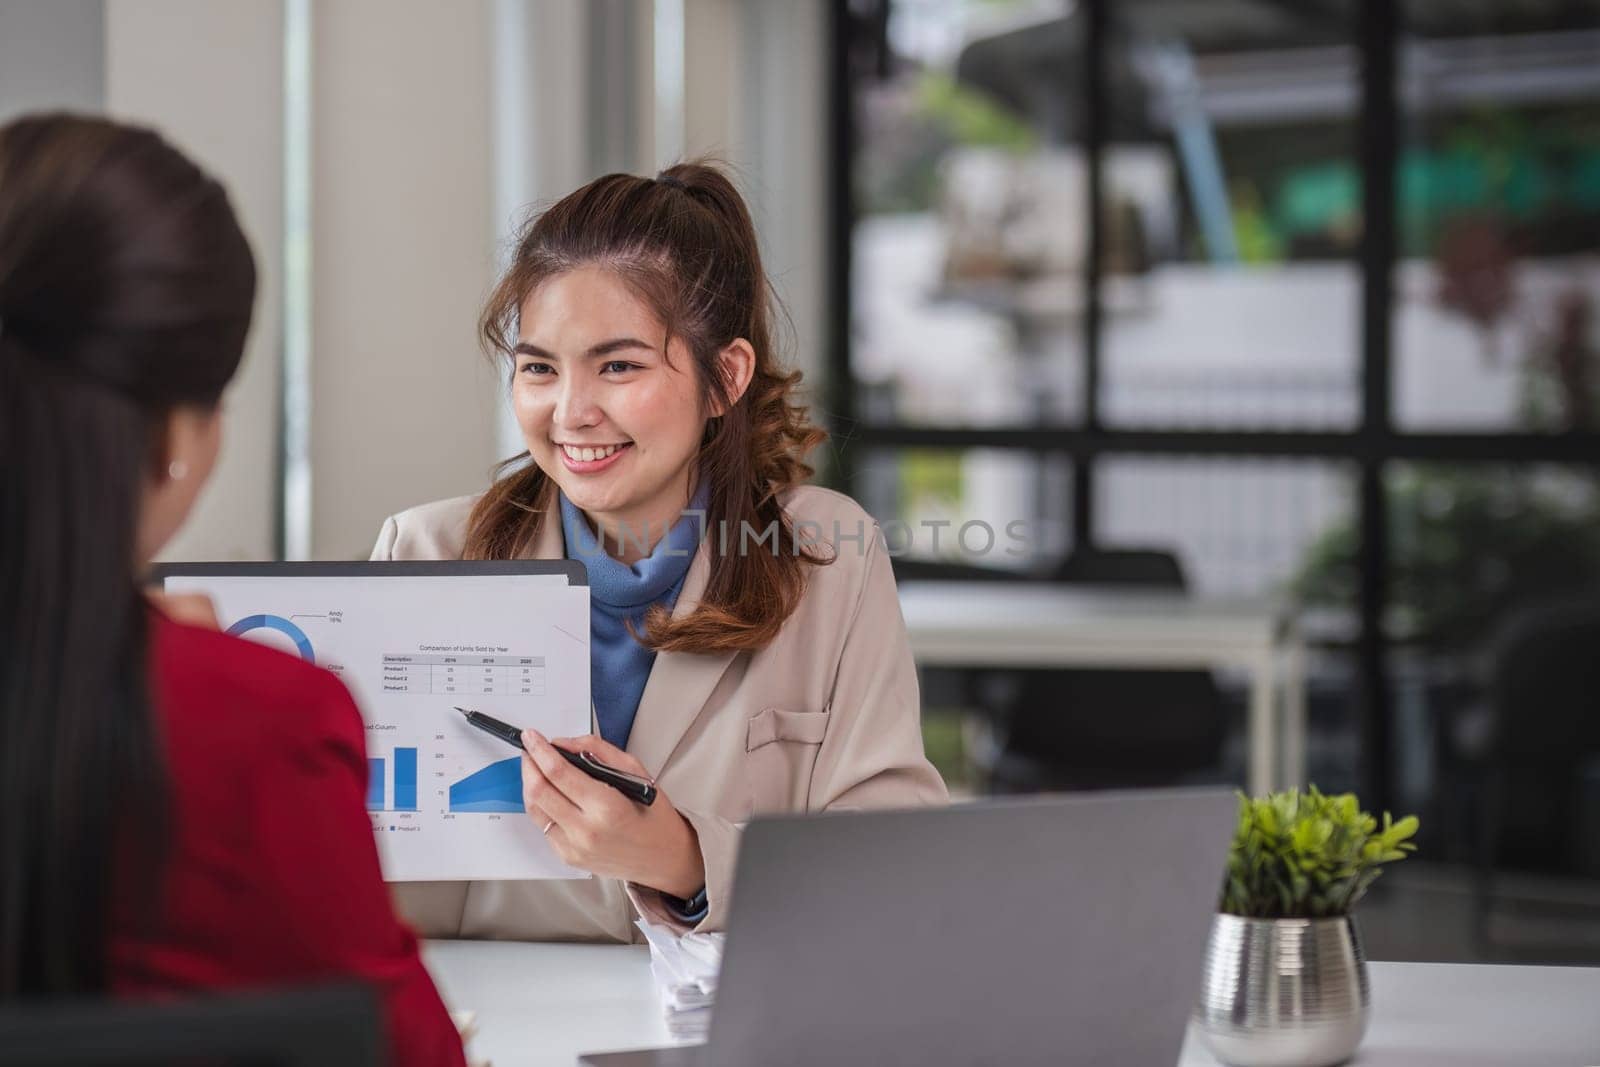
<point>328,1026</point>
<point>1139,567</point>
<point>1545,684</point>
<point>1544,732</point>
<point>1090,729</point>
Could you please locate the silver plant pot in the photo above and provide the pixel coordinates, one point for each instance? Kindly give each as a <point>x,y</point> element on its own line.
<point>1283,992</point>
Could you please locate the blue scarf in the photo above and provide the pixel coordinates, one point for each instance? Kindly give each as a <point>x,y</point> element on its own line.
<point>619,666</point>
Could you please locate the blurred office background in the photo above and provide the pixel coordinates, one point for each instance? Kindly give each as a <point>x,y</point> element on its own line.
<point>1287,300</point>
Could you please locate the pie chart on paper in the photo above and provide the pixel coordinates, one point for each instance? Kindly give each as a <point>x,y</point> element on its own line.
<point>280,625</point>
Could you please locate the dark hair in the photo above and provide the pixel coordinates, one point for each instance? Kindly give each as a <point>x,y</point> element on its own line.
<point>125,291</point>
<point>684,243</point>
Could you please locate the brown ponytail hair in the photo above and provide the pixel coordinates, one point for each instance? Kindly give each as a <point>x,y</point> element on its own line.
<point>684,243</point>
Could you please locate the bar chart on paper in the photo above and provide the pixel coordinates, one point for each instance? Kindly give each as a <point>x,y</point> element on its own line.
<point>398,792</point>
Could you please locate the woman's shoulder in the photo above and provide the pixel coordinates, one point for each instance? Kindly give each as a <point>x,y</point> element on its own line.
<point>832,510</point>
<point>436,530</point>
<point>839,529</point>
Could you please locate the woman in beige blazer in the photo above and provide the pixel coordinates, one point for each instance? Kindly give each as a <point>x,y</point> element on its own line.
<point>762,666</point>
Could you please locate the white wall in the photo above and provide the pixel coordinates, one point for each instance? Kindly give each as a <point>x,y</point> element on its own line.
<point>755,94</point>
<point>713,93</point>
<point>541,134</point>
<point>210,76</point>
<point>403,404</point>
<point>786,124</point>
<point>52,56</point>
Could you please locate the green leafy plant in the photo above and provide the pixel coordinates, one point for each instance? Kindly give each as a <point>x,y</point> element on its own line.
<point>1307,855</point>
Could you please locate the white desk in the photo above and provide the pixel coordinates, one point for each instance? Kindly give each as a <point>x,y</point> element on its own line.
<point>543,1004</point>
<point>1458,1015</point>
<point>1007,624</point>
<point>540,1005</point>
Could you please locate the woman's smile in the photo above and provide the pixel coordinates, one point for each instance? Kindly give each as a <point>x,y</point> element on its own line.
<point>592,459</point>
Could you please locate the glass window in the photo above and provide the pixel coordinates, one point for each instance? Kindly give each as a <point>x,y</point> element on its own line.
<point>1240,527</point>
<point>1256,528</point>
<point>1472,545</point>
<point>1498,288</point>
<point>1495,603</point>
<point>1232,288</point>
<point>967,250</point>
<point>1232,293</point>
<point>963,508</point>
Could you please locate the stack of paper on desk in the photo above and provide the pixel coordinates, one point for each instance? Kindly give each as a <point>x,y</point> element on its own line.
<point>467,1026</point>
<point>685,970</point>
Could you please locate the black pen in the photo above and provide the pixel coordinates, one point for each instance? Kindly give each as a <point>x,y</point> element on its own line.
<point>630,785</point>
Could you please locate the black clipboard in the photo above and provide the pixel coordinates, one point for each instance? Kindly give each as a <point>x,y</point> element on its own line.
<point>573,570</point>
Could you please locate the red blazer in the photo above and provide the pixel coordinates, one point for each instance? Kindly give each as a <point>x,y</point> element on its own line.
<point>272,872</point>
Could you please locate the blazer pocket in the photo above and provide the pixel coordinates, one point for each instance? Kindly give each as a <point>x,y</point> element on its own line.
<point>780,753</point>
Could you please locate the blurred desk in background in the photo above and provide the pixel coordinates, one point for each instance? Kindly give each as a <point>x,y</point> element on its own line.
<point>1007,624</point>
<point>540,1005</point>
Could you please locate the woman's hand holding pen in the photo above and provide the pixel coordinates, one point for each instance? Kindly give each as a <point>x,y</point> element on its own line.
<point>595,828</point>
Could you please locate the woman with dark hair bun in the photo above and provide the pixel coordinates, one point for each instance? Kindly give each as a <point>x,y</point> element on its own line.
<point>180,810</point>
<point>746,646</point>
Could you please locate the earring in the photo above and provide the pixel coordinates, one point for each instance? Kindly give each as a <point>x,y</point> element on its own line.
<point>177,470</point>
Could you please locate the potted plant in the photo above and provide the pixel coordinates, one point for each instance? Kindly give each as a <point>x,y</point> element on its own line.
<point>1285,979</point>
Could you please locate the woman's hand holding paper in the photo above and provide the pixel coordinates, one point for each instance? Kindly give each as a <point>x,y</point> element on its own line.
<point>593,827</point>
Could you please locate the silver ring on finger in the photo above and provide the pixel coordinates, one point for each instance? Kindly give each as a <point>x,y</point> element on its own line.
<point>547,826</point>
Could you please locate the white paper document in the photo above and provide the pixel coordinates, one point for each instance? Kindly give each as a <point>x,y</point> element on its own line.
<point>685,970</point>
<point>445,799</point>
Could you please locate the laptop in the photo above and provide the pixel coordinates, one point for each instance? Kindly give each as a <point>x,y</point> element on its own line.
<point>1066,929</point>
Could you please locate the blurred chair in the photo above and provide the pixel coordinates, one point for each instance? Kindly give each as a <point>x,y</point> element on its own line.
<point>328,1026</point>
<point>1098,729</point>
<point>1525,758</point>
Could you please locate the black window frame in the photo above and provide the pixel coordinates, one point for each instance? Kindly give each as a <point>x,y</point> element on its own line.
<point>1370,449</point>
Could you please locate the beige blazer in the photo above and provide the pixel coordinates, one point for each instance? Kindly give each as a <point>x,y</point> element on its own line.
<point>825,717</point>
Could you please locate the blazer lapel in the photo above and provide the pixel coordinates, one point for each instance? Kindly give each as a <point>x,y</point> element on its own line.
<point>679,682</point>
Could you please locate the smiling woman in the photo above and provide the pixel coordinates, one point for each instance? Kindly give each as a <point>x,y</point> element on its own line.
<point>747,649</point>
